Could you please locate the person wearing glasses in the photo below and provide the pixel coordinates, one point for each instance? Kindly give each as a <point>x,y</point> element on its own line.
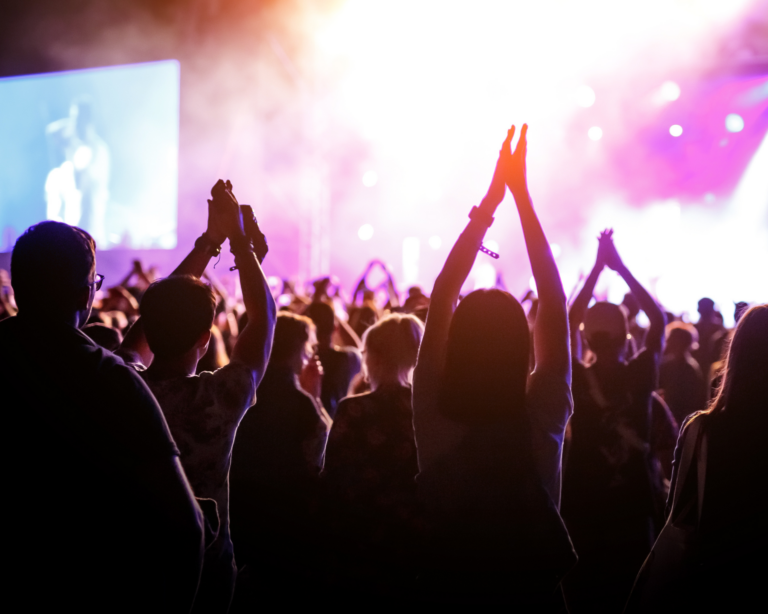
<point>103,516</point>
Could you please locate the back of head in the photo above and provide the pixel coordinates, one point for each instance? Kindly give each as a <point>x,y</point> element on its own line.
<point>50,264</point>
<point>322,315</point>
<point>745,382</point>
<point>392,346</point>
<point>487,359</point>
<point>175,311</point>
<point>680,337</point>
<point>606,328</point>
<point>706,307</point>
<point>632,304</point>
<point>292,332</point>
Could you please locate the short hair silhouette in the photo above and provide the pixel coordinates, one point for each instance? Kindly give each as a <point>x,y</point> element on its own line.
<point>175,311</point>
<point>323,317</point>
<point>291,333</point>
<point>50,263</point>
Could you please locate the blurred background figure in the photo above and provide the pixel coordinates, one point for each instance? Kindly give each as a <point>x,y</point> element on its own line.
<point>340,364</point>
<point>681,381</point>
<point>77,186</point>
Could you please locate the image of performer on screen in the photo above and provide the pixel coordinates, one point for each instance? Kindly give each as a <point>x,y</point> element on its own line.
<point>77,186</point>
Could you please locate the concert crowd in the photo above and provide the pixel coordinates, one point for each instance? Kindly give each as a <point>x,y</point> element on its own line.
<point>173,448</point>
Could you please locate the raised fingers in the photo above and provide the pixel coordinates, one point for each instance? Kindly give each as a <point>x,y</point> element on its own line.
<point>522,143</point>
<point>507,145</point>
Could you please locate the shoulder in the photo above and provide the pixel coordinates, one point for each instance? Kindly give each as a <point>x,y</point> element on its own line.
<point>233,384</point>
<point>694,421</point>
<point>644,364</point>
<point>353,405</point>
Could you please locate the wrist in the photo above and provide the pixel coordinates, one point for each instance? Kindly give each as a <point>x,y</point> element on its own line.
<point>240,244</point>
<point>208,244</point>
<point>215,237</point>
<point>482,214</point>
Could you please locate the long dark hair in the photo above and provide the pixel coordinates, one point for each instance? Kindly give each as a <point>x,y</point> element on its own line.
<point>744,387</point>
<point>487,360</point>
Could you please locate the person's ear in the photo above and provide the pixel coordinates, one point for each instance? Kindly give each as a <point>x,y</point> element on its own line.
<point>83,299</point>
<point>203,340</point>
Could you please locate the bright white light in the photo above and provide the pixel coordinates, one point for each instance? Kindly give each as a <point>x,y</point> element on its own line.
<point>595,133</point>
<point>491,245</point>
<point>734,122</point>
<point>676,130</point>
<point>585,96</point>
<point>411,248</point>
<point>485,275</point>
<point>670,91</point>
<point>435,242</point>
<point>365,232</point>
<point>555,249</point>
<point>370,179</point>
<point>532,285</point>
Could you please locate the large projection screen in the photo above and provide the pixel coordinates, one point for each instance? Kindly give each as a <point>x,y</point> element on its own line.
<point>96,148</point>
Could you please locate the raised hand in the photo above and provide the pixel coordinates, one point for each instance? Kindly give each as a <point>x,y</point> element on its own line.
<point>498,184</point>
<point>603,244</point>
<point>610,255</point>
<point>224,211</point>
<point>514,162</point>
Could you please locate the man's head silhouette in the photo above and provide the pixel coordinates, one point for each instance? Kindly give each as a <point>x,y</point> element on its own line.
<point>53,272</point>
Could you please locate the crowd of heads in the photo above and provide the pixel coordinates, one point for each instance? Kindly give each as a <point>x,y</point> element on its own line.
<point>322,362</point>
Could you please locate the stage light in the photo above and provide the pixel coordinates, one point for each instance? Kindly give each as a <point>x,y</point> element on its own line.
<point>365,232</point>
<point>676,130</point>
<point>370,179</point>
<point>435,242</point>
<point>585,96</point>
<point>555,249</point>
<point>670,91</point>
<point>595,133</point>
<point>734,122</point>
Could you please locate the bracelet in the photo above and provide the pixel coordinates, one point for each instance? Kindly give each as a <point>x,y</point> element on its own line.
<point>204,243</point>
<point>476,214</point>
<point>239,246</point>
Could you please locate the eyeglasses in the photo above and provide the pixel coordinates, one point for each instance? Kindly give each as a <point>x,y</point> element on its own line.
<point>98,280</point>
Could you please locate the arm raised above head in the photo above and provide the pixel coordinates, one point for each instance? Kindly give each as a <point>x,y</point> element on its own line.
<point>431,361</point>
<point>551,341</point>
<point>655,337</point>
<point>579,306</point>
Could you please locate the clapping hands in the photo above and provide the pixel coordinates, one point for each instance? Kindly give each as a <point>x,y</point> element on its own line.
<point>224,217</point>
<point>607,255</point>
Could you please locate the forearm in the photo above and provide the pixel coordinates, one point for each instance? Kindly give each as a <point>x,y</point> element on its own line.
<point>551,329</point>
<point>458,264</point>
<point>134,347</point>
<point>254,343</point>
<point>194,264</point>
<point>579,306</point>
<point>648,305</point>
<point>548,285</point>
